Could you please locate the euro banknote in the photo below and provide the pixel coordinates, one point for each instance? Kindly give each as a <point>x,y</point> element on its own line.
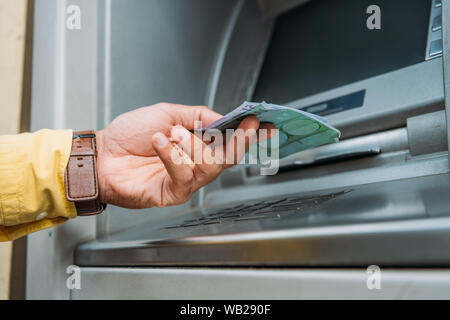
<point>297,130</point>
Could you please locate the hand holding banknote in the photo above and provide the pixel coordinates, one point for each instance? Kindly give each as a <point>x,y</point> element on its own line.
<point>296,130</point>
<point>145,157</point>
<point>150,156</point>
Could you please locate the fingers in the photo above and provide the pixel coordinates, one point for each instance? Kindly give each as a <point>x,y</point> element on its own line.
<point>270,129</point>
<point>178,165</point>
<point>192,145</point>
<point>247,131</point>
<point>187,116</point>
<point>208,162</point>
<point>249,123</point>
<point>206,167</point>
<point>240,141</point>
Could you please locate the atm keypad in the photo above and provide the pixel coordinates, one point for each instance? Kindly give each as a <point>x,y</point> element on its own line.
<point>269,209</point>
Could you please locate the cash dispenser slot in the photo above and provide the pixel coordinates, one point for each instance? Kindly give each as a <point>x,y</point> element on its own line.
<point>331,157</point>
<point>349,149</point>
<point>424,134</point>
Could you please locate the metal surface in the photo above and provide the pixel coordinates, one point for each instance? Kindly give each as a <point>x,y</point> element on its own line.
<point>338,156</point>
<point>245,52</point>
<point>446,63</point>
<point>116,62</point>
<point>434,43</point>
<point>427,133</point>
<point>436,48</point>
<point>202,283</point>
<point>396,212</point>
<point>391,186</point>
<point>273,8</point>
<point>393,162</point>
<point>64,96</point>
<point>390,99</point>
<point>259,210</point>
<point>158,51</point>
<point>386,142</point>
<point>437,24</point>
<point>370,224</point>
<point>222,50</point>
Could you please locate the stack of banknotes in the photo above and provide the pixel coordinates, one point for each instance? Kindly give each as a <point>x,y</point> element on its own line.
<point>297,130</point>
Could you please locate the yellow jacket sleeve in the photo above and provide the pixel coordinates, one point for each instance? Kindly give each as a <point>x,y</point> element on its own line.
<point>32,191</point>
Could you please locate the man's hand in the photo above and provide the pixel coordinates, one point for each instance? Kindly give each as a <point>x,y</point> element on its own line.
<point>138,167</point>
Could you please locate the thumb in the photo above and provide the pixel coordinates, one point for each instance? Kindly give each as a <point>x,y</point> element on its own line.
<point>178,166</point>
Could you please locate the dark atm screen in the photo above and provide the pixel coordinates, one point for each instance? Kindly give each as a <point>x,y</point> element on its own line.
<point>325,44</point>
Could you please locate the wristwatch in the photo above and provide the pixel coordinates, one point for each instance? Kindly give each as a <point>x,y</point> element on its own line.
<point>81,175</point>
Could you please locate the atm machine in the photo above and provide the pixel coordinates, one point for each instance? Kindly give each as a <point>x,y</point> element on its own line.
<point>379,198</point>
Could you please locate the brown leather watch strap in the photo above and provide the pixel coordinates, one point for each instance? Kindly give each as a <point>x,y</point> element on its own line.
<point>81,175</point>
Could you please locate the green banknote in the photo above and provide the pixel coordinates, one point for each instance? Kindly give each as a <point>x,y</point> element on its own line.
<point>297,130</point>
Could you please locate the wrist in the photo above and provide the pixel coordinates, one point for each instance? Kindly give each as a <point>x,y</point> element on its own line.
<point>81,178</point>
<point>102,188</point>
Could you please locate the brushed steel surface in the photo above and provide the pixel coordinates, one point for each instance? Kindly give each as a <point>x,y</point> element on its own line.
<point>116,62</point>
<point>396,214</point>
<point>154,51</point>
<point>384,167</point>
<point>241,283</point>
<point>64,96</point>
<point>397,223</point>
<point>446,61</point>
<point>427,133</point>
<point>390,99</point>
<point>434,41</point>
<point>386,141</point>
